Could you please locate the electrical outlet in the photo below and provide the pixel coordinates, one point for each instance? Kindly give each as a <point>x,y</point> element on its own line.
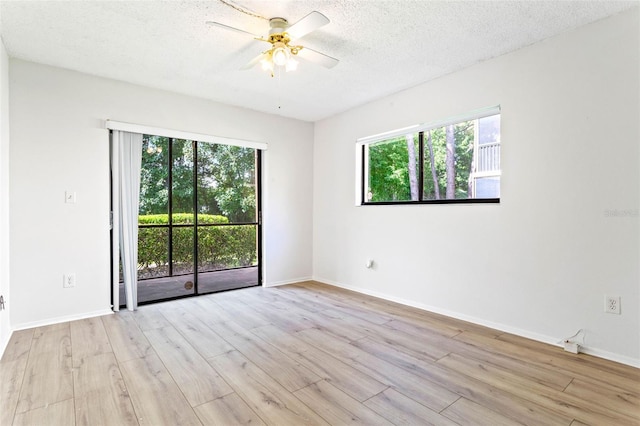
<point>612,304</point>
<point>68,280</point>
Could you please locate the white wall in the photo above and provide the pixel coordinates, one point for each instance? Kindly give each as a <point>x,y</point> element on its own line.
<point>5,330</point>
<point>539,263</point>
<point>59,143</point>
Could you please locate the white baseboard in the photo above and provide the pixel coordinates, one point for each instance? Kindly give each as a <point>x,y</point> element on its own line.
<point>293,281</point>
<point>479,321</point>
<point>58,320</point>
<point>610,356</point>
<point>3,345</point>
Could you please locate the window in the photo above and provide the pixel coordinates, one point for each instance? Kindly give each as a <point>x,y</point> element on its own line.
<point>198,222</point>
<point>452,161</point>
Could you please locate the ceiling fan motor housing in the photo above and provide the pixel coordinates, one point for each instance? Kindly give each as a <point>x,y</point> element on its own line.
<point>278,36</point>
<point>278,25</point>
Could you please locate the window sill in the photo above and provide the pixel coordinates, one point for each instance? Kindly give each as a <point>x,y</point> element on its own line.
<point>450,201</point>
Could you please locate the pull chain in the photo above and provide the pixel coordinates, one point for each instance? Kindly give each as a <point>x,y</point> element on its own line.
<point>279,72</point>
<point>243,10</point>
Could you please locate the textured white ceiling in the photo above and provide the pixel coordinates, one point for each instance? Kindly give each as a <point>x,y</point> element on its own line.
<point>383,46</point>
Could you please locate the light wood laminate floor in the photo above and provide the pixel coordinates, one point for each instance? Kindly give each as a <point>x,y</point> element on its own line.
<point>301,354</point>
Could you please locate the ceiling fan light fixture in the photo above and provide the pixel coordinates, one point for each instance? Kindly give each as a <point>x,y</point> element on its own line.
<point>291,65</point>
<point>267,64</point>
<point>281,54</point>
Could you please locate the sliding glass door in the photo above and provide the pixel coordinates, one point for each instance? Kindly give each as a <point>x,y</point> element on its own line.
<point>199,227</point>
<point>227,217</point>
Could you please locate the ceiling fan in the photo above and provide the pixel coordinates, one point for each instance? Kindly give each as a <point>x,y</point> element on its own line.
<point>282,53</point>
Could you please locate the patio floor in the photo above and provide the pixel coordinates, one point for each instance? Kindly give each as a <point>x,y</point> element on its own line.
<point>208,282</point>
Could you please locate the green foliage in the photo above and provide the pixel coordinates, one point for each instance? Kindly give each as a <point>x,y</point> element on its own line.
<point>388,170</point>
<point>182,190</point>
<point>389,165</point>
<point>226,193</point>
<point>154,183</point>
<point>153,254</point>
<point>182,250</point>
<point>219,247</point>
<point>179,218</point>
<point>226,247</point>
<point>463,133</point>
<point>225,179</point>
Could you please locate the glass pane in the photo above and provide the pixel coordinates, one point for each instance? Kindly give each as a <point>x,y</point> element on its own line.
<point>153,252</point>
<point>489,129</point>
<point>488,155</point>
<point>488,187</point>
<point>448,160</point>
<point>463,158</point>
<point>226,247</point>
<point>165,288</point>
<point>182,250</point>
<point>153,243</point>
<point>154,178</point>
<point>392,171</point>
<point>182,190</point>
<point>227,257</point>
<point>433,185</point>
<point>228,279</point>
<point>226,184</point>
<point>226,187</point>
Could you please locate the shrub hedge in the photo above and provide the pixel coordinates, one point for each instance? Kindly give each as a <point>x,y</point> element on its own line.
<point>180,218</point>
<point>219,247</point>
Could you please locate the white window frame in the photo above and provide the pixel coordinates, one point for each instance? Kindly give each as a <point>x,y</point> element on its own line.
<point>361,161</point>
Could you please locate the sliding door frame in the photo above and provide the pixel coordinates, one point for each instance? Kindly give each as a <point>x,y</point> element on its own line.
<point>259,147</point>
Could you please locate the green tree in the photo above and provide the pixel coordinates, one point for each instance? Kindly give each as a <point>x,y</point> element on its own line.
<point>391,162</point>
<point>434,174</point>
<point>182,176</point>
<point>411,166</point>
<point>389,171</point>
<point>226,181</point>
<point>436,161</point>
<point>154,188</point>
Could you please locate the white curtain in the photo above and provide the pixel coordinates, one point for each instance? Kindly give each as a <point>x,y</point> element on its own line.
<point>127,160</point>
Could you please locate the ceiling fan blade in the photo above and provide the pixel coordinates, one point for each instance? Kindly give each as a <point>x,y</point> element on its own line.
<point>227,27</point>
<point>252,63</point>
<point>309,23</point>
<point>317,57</point>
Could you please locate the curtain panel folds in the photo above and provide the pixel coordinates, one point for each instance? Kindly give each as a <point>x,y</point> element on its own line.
<point>126,153</point>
